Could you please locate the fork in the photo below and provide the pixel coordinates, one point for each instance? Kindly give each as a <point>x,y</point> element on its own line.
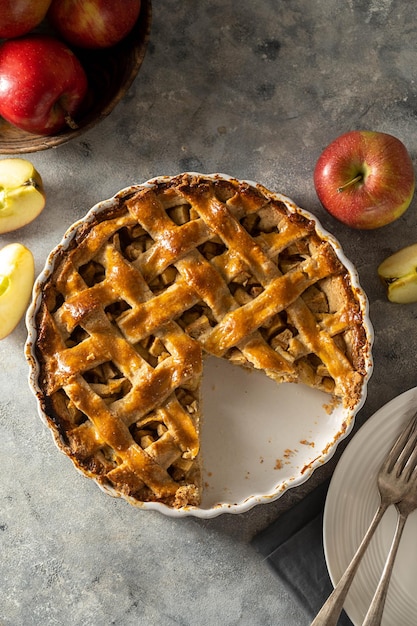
<point>404,508</point>
<point>393,483</point>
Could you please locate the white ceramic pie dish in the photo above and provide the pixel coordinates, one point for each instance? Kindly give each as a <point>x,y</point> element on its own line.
<point>258,439</point>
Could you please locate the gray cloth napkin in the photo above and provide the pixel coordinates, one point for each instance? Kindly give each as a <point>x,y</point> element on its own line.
<point>293,547</point>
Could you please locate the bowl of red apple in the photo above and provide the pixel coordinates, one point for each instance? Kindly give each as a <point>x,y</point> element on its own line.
<point>64,66</point>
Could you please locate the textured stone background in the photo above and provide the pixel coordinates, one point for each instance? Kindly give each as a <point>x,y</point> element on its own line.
<point>255,89</point>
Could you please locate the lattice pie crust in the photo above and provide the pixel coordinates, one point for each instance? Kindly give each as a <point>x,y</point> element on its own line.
<point>171,272</point>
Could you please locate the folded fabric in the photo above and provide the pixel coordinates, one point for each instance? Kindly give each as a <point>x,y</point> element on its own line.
<point>293,547</point>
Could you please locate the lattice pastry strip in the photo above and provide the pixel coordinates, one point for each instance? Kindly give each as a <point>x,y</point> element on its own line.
<point>204,279</point>
<point>104,343</point>
<point>200,278</point>
<point>170,272</point>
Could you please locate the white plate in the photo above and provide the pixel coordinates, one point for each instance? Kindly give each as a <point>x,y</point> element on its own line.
<point>258,438</point>
<point>351,502</point>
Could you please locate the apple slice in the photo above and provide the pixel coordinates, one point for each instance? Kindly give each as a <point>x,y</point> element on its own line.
<point>399,274</point>
<point>22,196</point>
<point>17,274</point>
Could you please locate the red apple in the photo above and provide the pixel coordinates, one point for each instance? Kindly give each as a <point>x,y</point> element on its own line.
<point>93,23</point>
<point>42,84</point>
<point>18,17</point>
<point>365,179</point>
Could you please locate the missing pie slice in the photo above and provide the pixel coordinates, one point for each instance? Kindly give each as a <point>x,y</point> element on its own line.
<point>153,281</point>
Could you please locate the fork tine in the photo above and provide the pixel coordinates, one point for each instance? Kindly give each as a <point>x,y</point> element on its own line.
<point>410,469</point>
<point>411,461</point>
<point>400,443</point>
<point>408,455</point>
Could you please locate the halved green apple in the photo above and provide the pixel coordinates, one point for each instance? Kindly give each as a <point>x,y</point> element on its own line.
<point>17,275</point>
<point>399,274</point>
<point>22,196</point>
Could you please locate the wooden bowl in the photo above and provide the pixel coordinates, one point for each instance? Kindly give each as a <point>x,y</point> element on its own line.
<point>110,73</point>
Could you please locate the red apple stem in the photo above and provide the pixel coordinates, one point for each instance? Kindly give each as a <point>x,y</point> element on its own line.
<point>31,182</point>
<point>357,179</point>
<point>70,122</point>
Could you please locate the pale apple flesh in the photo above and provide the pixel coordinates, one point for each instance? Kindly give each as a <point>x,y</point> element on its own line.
<point>17,275</point>
<point>398,272</point>
<point>365,179</point>
<point>22,195</point>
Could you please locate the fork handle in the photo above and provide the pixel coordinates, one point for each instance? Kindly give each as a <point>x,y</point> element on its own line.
<point>376,608</point>
<point>331,609</point>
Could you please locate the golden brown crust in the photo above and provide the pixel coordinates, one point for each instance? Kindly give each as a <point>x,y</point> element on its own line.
<point>186,267</point>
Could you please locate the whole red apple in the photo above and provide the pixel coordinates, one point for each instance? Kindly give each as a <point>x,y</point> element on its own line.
<point>18,17</point>
<point>365,179</point>
<point>42,84</point>
<point>93,23</point>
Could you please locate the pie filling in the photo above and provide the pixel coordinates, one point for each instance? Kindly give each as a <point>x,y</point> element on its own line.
<point>187,267</point>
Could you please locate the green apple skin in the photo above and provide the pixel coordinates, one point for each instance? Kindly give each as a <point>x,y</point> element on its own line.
<point>22,195</point>
<point>365,179</point>
<point>398,273</point>
<point>17,275</point>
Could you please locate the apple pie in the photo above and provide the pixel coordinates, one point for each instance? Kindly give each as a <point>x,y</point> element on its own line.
<point>152,282</point>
